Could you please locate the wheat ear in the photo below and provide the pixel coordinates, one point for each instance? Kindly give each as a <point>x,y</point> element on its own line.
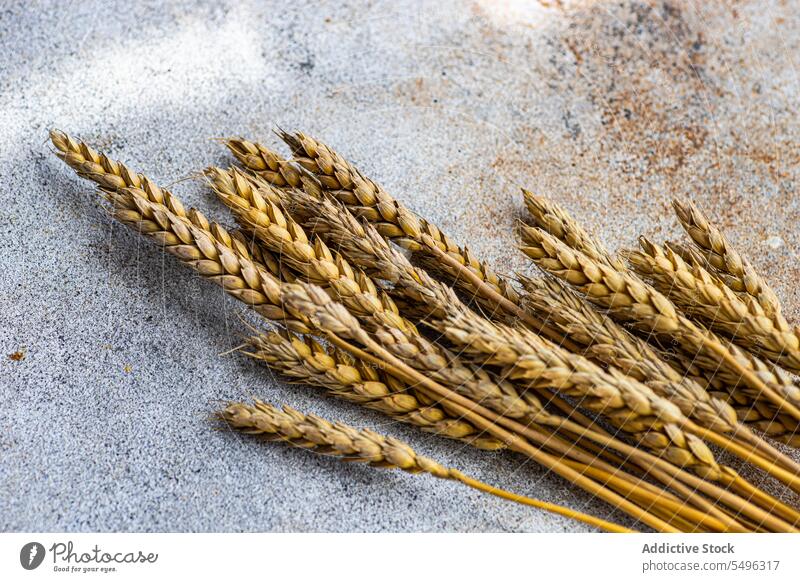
<point>705,297</point>
<point>726,262</point>
<point>340,440</point>
<point>556,221</point>
<point>151,205</point>
<point>306,360</point>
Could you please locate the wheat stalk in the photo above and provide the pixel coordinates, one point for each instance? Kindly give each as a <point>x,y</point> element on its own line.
<point>306,360</point>
<point>705,297</point>
<point>340,440</point>
<point>247,281</point>
<point>366,248</point>
<point>726,262</point>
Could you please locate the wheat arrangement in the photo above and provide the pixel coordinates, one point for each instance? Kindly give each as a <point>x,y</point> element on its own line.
<point>536,369</point>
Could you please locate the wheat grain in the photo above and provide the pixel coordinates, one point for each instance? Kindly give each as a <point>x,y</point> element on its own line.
<point>343,441</point>
<point>728,264</point>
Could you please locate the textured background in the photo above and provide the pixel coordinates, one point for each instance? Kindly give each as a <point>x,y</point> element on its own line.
<point>610,108</point>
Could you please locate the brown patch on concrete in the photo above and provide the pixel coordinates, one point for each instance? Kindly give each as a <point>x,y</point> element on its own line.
<point>657,100</point>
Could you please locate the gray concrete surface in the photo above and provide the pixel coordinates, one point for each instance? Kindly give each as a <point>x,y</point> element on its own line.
<point>611,108</point>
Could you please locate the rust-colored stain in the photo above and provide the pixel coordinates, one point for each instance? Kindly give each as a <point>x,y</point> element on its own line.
<point>659,100</point>
<point>17,356</point>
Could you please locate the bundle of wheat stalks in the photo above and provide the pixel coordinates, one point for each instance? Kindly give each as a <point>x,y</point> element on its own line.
<point>622,374</point>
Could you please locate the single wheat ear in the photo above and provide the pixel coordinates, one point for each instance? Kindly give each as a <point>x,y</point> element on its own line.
<point>340,440</point>
<point>556,221</point>
<point>721,256</point>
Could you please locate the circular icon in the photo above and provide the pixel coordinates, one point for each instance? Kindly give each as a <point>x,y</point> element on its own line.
<point>31,555</point>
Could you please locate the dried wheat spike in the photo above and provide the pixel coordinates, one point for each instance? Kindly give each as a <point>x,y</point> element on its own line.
<point>368,200</point>
<point>704,297</point>
<point>629,299</point>
<point>311,260</point>
<point>555,220</point>
<point>340,440</point>
<point>107,173</point>
<point>735,270</point>
<point>306,360</point>
<point>312,432</point>
<point>608,342</point>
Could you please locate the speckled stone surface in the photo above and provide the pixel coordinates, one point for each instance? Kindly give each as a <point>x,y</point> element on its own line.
<point>610,108</point>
